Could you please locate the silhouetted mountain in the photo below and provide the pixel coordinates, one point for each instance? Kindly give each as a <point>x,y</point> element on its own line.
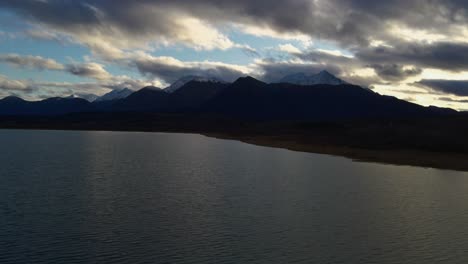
<point>186,79</point>
<point>246,98</point>
<point>189,97</point>
<point>252,99</point>
<point>148,99</point>
<point>12,105</point>
<point>194,94</point>
<point>51,106</point>
<point>323,77</point>
<point>246,94</point>
<point>115,95</point>
<point>442,110</point>
<point>60,106</point>
<point>12,100</point>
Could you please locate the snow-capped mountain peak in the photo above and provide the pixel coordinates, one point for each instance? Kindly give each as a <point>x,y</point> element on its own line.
<point>323,77</point>
<point>115,95</point>
<point>184,80</point>
<point>87,97</point>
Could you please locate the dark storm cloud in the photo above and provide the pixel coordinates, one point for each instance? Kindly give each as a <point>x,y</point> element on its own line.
<point>123,13</point>
<point>140,18</point>
<point>91,70</point>
<point>106,24</point>
<point>170,69</point>
<point>364,81</point>
<point>347,22</point>
<point>395,72</point>
<point>455,87</point>
<point>324,57</point>
<point>452,100</point>
<point>448,56</point>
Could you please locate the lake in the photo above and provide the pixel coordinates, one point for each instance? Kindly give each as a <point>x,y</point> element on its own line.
<point>118,197</point>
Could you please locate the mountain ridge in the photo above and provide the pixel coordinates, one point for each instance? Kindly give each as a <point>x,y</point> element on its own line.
<point>186,79</point>
<point>323,77</point>
<point>245,98</point>
<point>115,95</point>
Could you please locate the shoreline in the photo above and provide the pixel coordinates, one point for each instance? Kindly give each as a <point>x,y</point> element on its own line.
<point>400,157</point>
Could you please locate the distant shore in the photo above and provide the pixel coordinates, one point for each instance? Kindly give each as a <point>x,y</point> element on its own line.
<point>430,143</point>
<point>404,157</point>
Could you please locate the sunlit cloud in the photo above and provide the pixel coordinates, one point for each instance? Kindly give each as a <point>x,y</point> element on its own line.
<point>35,62</point>
<point>289,48</point>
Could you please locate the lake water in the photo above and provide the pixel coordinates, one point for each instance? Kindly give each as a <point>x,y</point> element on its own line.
<point>115,197</point>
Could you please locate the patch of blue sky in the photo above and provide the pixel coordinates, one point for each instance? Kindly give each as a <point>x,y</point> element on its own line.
<point>117,70</point>
<point>15,73</point>
<point>265,44</point>
<point>10,23</point>
<point>236,55</point>
<point>61,52</point>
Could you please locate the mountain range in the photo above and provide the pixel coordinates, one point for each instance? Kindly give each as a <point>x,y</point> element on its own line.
<point>87,97</point>
<point>113,95</point>
<point>296,97</point>
<point>323,77</point>
<point>184,80</point>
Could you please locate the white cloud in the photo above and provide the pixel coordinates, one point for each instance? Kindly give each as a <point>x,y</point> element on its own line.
<point>202,35</point>
<point>87,69</point>
<point>170,69</point>
<point>45,34</point>
<point>265,31</point>
<point>288,48</point>
<point>337,53</point>
<point>35,62</point>
<point>15,85</point>
<point>90,70</point>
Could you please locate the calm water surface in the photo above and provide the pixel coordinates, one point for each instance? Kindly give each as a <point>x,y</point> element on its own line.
<point>113,197</point>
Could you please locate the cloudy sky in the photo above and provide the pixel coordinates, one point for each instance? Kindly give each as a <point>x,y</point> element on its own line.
<point>416,50</point>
